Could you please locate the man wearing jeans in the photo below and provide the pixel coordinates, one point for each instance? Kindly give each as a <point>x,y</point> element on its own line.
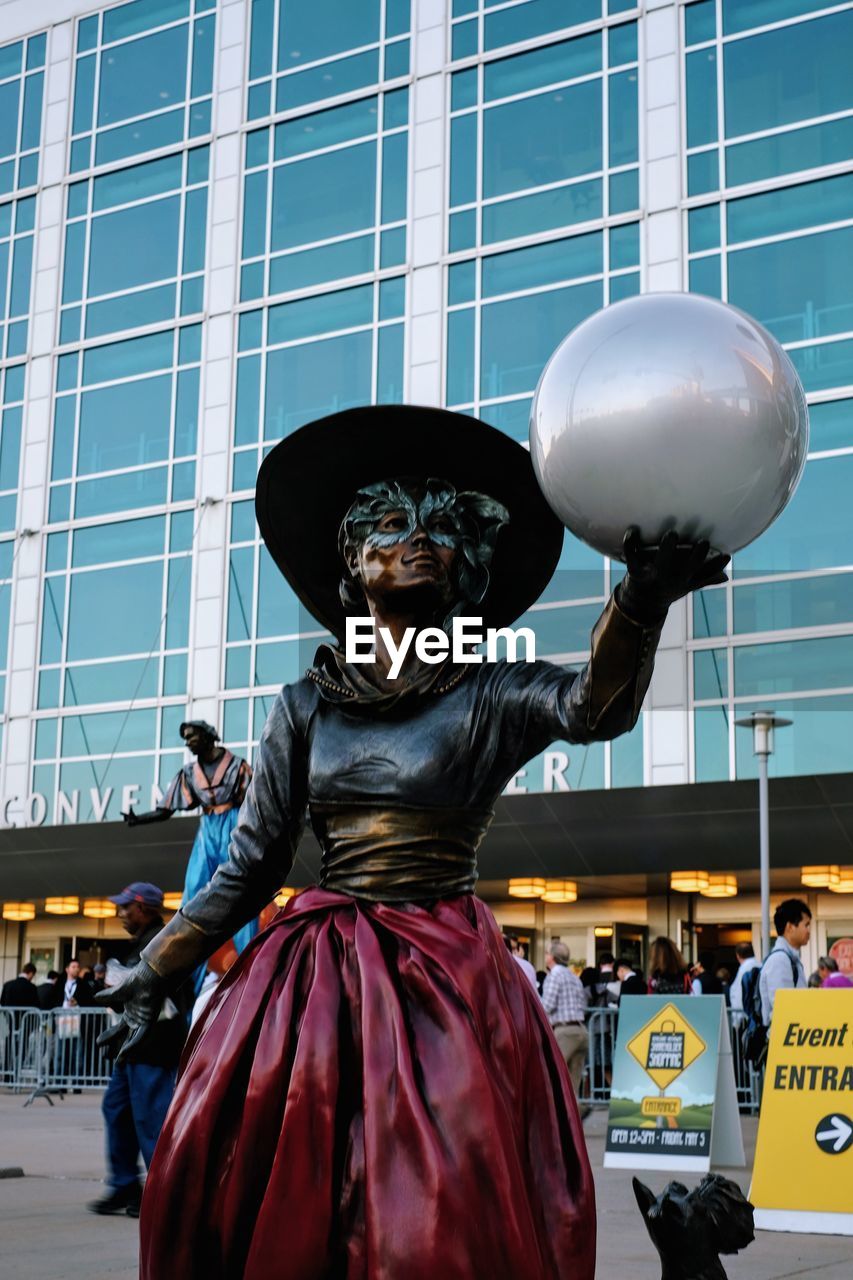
<point>140,1088</point>
<point>564,998</point>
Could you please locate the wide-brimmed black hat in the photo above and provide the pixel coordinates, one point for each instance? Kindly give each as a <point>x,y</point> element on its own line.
<point>308,482</point>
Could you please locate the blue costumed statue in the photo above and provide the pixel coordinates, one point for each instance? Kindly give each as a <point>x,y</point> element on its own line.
<point>215,782</point>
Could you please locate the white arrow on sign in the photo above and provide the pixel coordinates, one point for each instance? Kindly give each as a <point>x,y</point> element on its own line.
<point>839,1130</point>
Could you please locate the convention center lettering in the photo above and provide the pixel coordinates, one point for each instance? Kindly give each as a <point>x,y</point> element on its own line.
<point>814,1076</point>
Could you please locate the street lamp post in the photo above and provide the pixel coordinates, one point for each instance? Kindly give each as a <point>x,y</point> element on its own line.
<point>763,724</point>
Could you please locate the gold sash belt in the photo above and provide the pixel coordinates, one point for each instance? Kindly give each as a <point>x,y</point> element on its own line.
<point>398,854</point>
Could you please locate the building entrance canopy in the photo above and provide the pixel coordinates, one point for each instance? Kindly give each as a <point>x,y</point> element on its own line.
<point>579,833</point>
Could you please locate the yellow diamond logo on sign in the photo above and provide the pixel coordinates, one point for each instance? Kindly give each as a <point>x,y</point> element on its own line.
<point>666,1046</point>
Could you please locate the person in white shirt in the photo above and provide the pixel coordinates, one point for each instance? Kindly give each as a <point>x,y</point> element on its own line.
<point>747,960</point>
<point>517,952</point>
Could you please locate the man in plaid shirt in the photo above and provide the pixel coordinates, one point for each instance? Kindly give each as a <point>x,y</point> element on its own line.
<point>564,998</point>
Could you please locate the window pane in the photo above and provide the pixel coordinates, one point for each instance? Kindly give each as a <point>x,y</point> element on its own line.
<point>519,335</point>
<point>710,674</point>
<point>121,492</point>
<point>153,231</point>
<point>544,210</point>
<point>813,530</point>
<point>801,288</point>
<point>120,540</point>
<point>808,148</point>
<point>315,379</point>
<point>791,209</point>
<point>326,128</point>
<point>831,425</point>
<point>556,62</point>
<point>712,744</point>
<point>542,264</point>
<point>144,410</point>
<point>740,15</point>
<point>709,614</point>
<point>460,356</point>
<point>624,128</point>
<point>279,612</point>
<point>701,97</point>
<point>760,72</point>
<point>523,21</point>
<point>804,602</point>
<point>309,32</point>
<point>114,611</point>
<point>542,139</point>
<point>306,196</point>
<point>794,665</point>
<point>143,75</point>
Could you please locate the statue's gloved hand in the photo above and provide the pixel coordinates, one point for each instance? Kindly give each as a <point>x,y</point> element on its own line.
<point>658,576</point>
<point>139,999</point>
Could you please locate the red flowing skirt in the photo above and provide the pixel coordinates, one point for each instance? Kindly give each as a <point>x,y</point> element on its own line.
<point>373,1093</point>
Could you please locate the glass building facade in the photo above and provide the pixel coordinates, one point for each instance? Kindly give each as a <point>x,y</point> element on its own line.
<point>219,221</point>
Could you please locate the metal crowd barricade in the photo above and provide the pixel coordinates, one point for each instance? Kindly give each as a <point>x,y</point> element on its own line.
<point>602,1024</point>
<point>53,1051</point>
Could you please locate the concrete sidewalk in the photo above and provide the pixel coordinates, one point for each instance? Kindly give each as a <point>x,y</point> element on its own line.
<point>46,1233</point>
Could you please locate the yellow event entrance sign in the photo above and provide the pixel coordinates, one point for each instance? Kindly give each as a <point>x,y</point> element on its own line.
<point>803,1176</point>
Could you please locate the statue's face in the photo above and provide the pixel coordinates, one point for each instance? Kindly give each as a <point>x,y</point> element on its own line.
<point>196,739</point>
<point>419,547</point>
<point>409,549</point>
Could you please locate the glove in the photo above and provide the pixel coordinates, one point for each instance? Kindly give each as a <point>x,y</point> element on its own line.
<point>658,576</point>
<point>139,998</point>
<point>170,957</point>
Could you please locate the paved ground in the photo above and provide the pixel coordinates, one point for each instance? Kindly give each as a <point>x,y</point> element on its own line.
<point>46,1233</point>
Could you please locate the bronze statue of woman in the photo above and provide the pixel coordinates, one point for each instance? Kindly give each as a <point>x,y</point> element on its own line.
<point>374,1091</point>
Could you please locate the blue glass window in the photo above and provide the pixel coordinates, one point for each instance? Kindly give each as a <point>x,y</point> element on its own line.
<point>302,54</point>
<point>149,385</point>
<point>297,232</point>
<point>11,420</point>
<point>539,158</point>
<point>115,625</point>
<point>314,356</point>
<point>17,220</point>
<point>105,288</point>
<point>759,72</point>
<point>142,80</point>
<point>21,100</point>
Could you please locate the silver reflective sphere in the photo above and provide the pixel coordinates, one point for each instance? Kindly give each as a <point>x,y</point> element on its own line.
<point>669,410</point>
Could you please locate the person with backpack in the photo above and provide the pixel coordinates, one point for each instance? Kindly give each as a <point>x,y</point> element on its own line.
<point>668,975</point>
<point>783,968</point>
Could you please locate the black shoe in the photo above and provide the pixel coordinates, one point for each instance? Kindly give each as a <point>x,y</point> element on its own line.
<point>132,1210</point>
<point>119,1200</point>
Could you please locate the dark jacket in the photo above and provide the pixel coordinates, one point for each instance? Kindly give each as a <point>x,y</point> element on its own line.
<point>19,993</point>
<point>50,994</point>
<point>633,986</point>
<point>163,1045</point>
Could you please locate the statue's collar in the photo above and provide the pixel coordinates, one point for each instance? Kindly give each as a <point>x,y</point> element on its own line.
<point>354,685</point>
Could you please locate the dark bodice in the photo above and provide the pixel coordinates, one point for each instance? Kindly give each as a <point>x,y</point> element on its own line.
<point>400,791</point>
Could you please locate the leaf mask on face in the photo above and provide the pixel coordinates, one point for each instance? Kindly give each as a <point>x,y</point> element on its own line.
<point>469,522</point>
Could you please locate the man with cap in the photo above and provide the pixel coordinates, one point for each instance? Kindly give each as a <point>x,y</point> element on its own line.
<point>216,782</point>
<point>140,1089</point>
